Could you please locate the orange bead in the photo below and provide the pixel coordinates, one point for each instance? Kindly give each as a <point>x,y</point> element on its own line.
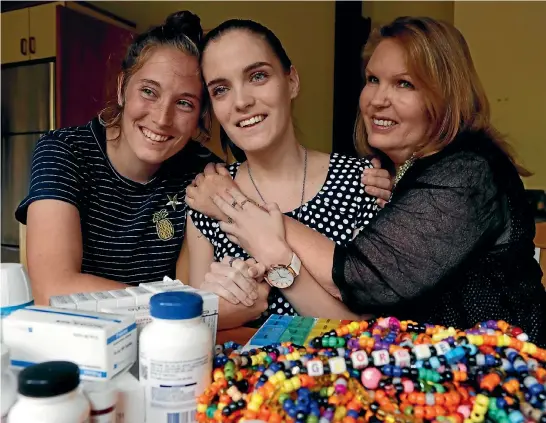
<point>275,418</point>
<point>348,419</point>
<point>419,412</point>
<point>250,414</point>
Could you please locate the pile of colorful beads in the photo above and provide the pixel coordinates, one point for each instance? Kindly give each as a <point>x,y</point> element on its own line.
<point>383,371</point>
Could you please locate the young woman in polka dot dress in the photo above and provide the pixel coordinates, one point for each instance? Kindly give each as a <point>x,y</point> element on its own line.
<point>252,83</point>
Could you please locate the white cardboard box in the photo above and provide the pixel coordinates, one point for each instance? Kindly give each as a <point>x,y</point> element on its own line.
<point>101,344</point>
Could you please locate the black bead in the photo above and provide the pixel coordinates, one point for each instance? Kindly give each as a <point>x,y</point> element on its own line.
<point>442,359</point>
<point>543,418</point>
<point>226,411</point>
<point>326,369</point>
<point>263,378</point>
<point>374,406</point>
<point>300,416</point>
<point>242,385</point>
<point>231,382</point>
<point>414,373</point>
<point>448,376</point>
<point>399,388</point>
<point>281,365</point>
<point>288,373</point>
<point>241,404</point>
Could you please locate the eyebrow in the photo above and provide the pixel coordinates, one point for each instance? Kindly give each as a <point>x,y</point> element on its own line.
<point>398,75</point>
<point>245,70</point>
<point>158,85</point>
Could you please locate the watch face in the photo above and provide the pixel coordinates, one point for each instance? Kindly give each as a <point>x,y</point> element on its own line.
<point>280,277</point>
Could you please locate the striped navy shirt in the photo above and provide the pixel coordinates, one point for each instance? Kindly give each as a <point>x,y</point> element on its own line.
<point>132,232</point>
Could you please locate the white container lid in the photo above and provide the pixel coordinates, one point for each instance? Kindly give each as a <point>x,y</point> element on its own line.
<point>15,285</point>
<point>101,395</point>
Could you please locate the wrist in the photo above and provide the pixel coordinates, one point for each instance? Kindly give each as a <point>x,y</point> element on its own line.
<point>277,253</point>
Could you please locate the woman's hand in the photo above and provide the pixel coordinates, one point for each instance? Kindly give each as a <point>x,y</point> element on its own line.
<point>258,230</point>
<point>235,280</point>
<point>378,183</point>
<point>214,179</point>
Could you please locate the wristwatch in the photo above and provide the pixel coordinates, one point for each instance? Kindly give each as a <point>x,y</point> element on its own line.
<point>282,276</point>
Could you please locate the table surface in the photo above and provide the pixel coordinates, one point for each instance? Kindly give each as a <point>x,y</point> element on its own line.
<point>240,335</point>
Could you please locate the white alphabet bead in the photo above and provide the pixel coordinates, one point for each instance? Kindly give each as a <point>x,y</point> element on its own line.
<point>442,347</point>
<point>315,368</point>
<point>421,351</point>
<point>337,365</point>
<point>402,358</point>
<point>380,357</point>
<point>359,359</point>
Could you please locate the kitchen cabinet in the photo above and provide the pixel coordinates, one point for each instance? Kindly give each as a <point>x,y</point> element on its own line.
<point>29,34</point>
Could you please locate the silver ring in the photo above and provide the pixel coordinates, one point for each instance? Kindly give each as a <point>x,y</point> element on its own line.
<point>231,260</point>
<point>234,203</point>
<point>229,220</point>
<point>244,202</point>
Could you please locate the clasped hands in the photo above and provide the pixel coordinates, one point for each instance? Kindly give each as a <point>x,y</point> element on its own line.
<point>238,281</point>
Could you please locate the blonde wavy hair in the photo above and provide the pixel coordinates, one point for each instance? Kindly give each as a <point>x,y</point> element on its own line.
<point>439,61</point>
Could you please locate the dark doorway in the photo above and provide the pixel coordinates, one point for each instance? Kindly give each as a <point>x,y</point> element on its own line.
<point>351,32</point>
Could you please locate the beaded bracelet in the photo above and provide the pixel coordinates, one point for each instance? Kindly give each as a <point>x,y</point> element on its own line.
<point>383,370</point>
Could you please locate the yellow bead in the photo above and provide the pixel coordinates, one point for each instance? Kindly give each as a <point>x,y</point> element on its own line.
<point>296,382</point>
<point>467,421</point>
<point>221,405</point>
<point>253,407</point>
<point>280,376</point>
<point>202,408</point>
<point>296,355</point>
<point>330,391</point>
<point>253,360</point>
<point>239,376</point>
<point>340,412</point>
<point>390,419</point>
<point>479,409</point>
<point>482,400</point>
<point>529,348</point>
<point>478,340</point>
<point>287,386</point>
<point>477,418</point>
<point>353,326</point>
<point>257,398</point>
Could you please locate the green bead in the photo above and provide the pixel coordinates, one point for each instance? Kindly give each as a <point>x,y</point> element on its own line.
<point>230,365</point>
<point>283,398</point>
<point>439,388</point>
<point>210,411</point>
<point>323,392</point>
<point>340,342</point>
<point>268,360</point>
<point>324,342</point>
<point>332,341</point>
<point>408,411</point>
<point>311,419</point>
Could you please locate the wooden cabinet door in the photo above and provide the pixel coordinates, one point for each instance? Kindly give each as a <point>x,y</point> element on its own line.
<point>15,32</point>
<point>89,56</point>
<point>42,33</point>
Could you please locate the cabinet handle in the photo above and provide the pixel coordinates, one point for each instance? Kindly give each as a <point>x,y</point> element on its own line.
<point>32,45</point>
<point>23,46</point>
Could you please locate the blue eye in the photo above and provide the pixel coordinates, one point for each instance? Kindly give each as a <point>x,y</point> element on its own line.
<point>258,76</point>
<point>216,91</point>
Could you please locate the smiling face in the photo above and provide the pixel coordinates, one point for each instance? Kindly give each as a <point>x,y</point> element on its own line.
<point>161,106</point>
<point>392,107</point>
<point>250,91</point>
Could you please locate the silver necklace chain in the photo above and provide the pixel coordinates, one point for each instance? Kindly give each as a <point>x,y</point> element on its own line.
<point>302,188</point>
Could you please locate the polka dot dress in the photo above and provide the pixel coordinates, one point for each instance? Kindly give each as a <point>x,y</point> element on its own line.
<point>339,210</point>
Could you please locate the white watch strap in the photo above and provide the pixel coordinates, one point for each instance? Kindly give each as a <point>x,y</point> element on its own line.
<point>295,264</point>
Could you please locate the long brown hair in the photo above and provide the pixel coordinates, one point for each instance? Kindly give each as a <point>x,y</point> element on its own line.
<point>181,30</point>
<point>439,60</point>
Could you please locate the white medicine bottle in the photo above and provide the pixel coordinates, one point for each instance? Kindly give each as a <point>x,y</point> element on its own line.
<point>48,393</point>
<point>175,357</point>
<point>8,393</point>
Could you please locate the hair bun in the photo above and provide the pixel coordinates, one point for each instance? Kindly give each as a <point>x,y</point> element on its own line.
<point>185,22</point>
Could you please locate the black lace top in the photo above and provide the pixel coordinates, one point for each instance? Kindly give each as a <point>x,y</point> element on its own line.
<point>454,246</point>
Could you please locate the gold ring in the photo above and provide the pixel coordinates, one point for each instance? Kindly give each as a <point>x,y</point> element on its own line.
<point>244,202</point>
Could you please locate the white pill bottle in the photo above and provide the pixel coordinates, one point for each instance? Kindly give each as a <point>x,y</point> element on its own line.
<point>49,393</point>
<point>175,357</point>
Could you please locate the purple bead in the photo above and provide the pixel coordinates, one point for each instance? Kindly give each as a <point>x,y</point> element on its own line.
<point>328,414</point>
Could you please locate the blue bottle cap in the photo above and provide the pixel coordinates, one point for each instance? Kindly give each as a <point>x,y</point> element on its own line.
<point>177,305</point>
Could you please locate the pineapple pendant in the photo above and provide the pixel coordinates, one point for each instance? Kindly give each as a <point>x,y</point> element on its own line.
<point>163,226</point>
